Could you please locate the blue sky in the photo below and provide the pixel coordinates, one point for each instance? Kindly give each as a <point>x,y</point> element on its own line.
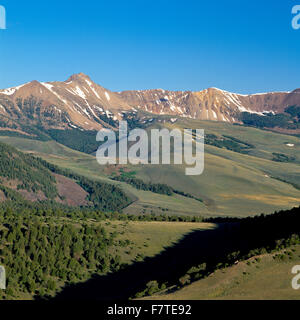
<point>240,46</point>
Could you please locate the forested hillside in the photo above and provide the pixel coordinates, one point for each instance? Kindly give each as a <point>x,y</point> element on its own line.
<point>26,171</point>
<point>25,177</point>
<point>41,254</point>
<point>290,119</point>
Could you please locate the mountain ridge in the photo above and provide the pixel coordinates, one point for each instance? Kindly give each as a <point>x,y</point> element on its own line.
<point>81,103</point>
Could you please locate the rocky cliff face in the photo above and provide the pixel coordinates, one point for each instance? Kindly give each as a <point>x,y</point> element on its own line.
<point>76,102</point>
<point>210,104</point>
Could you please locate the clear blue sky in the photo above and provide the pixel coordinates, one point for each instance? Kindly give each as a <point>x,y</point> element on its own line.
<point>240,46</point>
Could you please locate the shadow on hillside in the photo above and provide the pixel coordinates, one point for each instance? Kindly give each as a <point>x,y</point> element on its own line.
<point>194,248</point>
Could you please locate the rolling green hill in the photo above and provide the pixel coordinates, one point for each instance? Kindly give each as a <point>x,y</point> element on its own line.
<point>242,175</point>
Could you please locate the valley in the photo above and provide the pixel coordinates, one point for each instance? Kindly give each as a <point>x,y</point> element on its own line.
<point>254,183</point>
<point>125,221</point>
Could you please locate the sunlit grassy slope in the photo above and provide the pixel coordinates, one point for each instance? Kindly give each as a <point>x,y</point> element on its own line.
<point>260,277</point>
<point>151,238</point>
<point>233,184</point>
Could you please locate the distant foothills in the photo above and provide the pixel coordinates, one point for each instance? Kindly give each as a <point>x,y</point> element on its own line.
<point>80,103</point>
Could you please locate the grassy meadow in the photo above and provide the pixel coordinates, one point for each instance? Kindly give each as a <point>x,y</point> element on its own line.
<point>232,184</point>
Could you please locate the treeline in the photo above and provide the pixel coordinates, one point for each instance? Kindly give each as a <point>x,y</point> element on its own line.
<point>288,120</point>
<point>187,195</point>
<point>83,141</point>
<point>247,144</point>
<point>146,186</point>
<point>27,208</point>
<point>229,143</point>
<point>153,187</point>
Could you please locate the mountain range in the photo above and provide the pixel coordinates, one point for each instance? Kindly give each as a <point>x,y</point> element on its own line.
<point>246,170</point>
<point>80,103</point>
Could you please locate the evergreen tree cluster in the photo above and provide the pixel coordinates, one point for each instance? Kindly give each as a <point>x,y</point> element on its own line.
<point>141,185</point>
<point>42,254</point>
<point>28,171</point>
<point>229,143</point>
<point>153,187</point>
<point>83,141</point>
<point>290,119</point>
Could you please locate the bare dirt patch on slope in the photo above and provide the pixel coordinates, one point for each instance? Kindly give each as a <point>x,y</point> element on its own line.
<point>70,192</point>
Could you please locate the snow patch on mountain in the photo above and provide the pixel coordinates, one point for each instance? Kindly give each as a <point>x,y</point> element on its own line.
<point>50,88</point>
<point>93,89</point>
<point>11,91</point>
<point>80,93</point>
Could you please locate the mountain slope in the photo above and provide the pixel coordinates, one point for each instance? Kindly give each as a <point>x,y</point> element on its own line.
<point>236,181</point>
<point>238,260</point>
<point>24,177</point>
<point>81,103</point>
<point>245,281</point>
<point>77,102</point>
<point>210,104</point>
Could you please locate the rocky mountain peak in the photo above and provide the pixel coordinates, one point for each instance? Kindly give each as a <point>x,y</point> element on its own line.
<point>82,103</point>
<point>78,77</point>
